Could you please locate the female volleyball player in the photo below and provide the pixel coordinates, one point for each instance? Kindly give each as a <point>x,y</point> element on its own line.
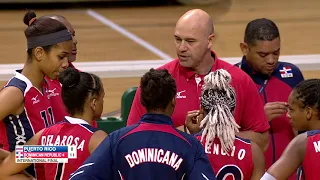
<point>24,103</point>
<point>304,149</point>
<point>230,156</point>
<point>58,108</point>
<point>75,130</point>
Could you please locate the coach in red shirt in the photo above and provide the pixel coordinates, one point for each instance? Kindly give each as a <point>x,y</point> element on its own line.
<point>194,35</point>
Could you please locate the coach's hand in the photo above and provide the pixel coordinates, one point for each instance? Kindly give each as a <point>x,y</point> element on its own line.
<point>275,109</point>
<point>193,121</point>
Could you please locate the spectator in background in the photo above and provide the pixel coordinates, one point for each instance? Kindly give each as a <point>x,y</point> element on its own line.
<point>194,34</point>
<point>274,81</point>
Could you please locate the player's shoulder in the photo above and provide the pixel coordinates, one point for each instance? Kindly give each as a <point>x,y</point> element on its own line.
<point>79,128</point>
<point>313,133</point>
<point>18,83</point>
<point>122,133</point>
<point>88,128</point>
<point>242,142</point>
<point>189,138</point>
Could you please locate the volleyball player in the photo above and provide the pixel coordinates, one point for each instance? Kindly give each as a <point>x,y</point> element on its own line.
<point>75,130</point>
<point>304,115</point>
<point>24,103</point>
<point>231,157</point>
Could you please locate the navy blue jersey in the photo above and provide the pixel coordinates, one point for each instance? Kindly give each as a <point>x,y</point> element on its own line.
<point>150,149</point>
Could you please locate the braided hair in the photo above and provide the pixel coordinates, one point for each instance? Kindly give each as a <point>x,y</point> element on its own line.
<point>308,92</point>
<point>218,99</point>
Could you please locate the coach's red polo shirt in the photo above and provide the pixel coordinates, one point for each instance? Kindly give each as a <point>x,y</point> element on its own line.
<point>249,112</point>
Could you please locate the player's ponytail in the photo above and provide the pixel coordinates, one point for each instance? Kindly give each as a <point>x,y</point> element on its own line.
<point>77,87</point>
<point>219,100</point>
<point>69,78</point>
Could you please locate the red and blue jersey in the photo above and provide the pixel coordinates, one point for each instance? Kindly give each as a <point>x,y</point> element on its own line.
<point>310,165</point>
<point>37,114</point>
<point>71,131</point>
<point>237,165</point>
<point>150,149</point>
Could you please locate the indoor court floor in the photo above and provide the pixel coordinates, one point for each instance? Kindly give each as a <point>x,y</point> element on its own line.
<point>146,33</point>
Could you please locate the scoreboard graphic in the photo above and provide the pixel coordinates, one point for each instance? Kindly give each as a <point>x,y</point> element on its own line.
<point>45,154</point>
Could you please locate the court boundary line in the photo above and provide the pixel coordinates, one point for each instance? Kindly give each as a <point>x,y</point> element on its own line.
<point>102,19</point>
<point>136,68</point>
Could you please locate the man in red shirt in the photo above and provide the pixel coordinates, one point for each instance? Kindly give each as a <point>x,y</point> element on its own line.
<point>194,36</point>
<point>274,81</point>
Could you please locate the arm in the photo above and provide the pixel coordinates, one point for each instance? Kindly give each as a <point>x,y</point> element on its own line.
<point>4,154</point>
<point>15,97</point>
<point>261,139</point>
<point>201,168</point>
<point>98,166</point>
<point>258,162</point>
<point>10,170</point>
<point>291,158</point>
<point>137,110</point>
<point>96,138</point>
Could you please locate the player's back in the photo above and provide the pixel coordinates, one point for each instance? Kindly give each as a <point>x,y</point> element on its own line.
<point>311,160</point>
<point>154,149</point>
<point>71,131</point>
<point>238,164</point>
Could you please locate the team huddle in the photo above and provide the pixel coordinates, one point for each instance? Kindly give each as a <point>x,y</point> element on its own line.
<point>196,117</point>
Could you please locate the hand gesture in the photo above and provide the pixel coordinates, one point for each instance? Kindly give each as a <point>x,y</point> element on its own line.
<point>275,109</point>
